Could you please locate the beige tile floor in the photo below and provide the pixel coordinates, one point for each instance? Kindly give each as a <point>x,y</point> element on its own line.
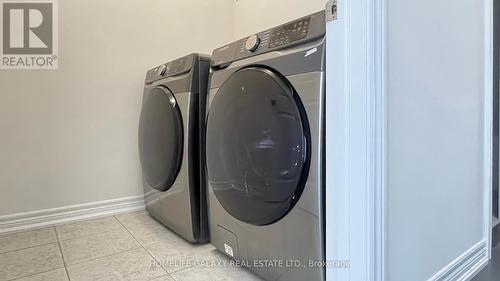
<point>130,246</point>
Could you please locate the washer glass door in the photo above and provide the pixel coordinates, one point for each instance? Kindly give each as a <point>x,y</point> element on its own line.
<point>257,146</point>
<point>160,138</point>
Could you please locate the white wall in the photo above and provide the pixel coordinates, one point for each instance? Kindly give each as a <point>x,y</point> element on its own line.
<point>435,91</point>
<point>69,136</point>
<point>252,16</point>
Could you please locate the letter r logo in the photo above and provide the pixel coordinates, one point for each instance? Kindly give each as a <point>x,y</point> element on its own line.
<point>27,28</point>
<point>29,34</point>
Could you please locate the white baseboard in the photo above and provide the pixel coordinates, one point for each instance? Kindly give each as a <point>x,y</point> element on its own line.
<point>466,266</point>
<point>48,217</point>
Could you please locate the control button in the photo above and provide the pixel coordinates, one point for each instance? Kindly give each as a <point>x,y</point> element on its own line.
<point>162,70</point>
<point>252,43</point>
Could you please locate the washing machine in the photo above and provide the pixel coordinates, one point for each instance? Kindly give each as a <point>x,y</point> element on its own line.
<point>171,130</point>
<point>265,150</point>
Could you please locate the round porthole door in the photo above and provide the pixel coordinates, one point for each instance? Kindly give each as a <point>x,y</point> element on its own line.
<point>160,138</point>
<point>257,146</point>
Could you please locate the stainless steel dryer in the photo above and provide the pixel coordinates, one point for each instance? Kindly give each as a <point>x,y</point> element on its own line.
<point>170,136</point>
<point>264,150</point>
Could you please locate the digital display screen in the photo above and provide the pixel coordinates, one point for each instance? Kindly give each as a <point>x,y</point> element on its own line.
<point>289,33</point>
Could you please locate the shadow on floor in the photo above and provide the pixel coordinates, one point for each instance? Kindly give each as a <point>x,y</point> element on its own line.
<point>492,271</point>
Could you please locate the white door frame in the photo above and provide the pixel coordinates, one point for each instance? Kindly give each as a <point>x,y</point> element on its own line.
<point>488,123</point>
<point>355,137</point>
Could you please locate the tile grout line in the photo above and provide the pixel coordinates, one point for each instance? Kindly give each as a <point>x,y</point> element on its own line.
<point>30,247</point>
<point>41,272</point>
<point>94,234</point>
<point>62,255</point>
<point>182,269</point>
<point>159,277</point>
<point>106,256</point>
<point>151,255</point>
<point>86,235</point>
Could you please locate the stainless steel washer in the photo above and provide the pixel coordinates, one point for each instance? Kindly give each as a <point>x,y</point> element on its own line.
<point>265,150</point>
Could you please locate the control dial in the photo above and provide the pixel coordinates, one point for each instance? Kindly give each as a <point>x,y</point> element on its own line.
<point>162,70</point>
<point>252,43</point>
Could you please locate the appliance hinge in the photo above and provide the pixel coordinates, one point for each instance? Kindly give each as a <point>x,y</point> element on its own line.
<point>331,10</point>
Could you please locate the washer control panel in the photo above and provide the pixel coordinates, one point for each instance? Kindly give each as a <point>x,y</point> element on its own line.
<point>284,36</point>
<point>289,33</point>
<point>173,68</point>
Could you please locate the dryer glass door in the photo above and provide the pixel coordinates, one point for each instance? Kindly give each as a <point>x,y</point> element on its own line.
<point>257,146</point>
<point>160,138</point>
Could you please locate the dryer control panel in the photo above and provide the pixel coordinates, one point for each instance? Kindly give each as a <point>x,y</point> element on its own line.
<point>173,68</point>
<point>284,36</point>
